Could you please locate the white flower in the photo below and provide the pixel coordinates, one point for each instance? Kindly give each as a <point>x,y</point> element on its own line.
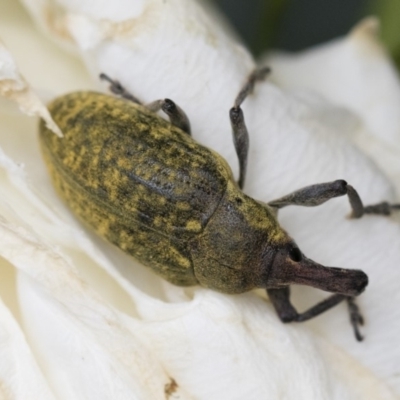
<point>80,320</point>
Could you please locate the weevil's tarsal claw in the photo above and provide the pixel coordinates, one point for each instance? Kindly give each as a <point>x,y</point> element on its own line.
<point>356,319</point>
<point>383,208</point>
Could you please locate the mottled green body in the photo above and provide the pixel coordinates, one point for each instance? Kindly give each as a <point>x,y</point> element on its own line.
<point>150,189</point>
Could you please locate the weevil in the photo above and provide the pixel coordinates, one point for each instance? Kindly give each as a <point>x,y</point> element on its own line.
<point>145,185</point>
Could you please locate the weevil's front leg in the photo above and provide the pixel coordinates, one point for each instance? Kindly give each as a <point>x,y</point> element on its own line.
<point>176,115</point>
<point>383,208</point>
<point>118,89</point>
<point>239,129</point>
<point>280,298</point>
<point>315,195</point>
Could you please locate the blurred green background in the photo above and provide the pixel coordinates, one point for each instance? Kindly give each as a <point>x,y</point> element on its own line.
<point>298,24</point>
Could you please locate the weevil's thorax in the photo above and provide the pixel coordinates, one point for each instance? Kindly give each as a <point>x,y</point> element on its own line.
<point>238,245</point>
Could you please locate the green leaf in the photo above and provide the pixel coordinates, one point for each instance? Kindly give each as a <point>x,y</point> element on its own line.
<point>388,12</point>
<point>268,24</point>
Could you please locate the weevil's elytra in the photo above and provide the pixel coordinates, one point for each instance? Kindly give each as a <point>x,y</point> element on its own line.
<point>146,186</point>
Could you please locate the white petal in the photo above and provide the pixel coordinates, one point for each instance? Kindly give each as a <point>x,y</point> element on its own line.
<point>20,376</point>
<point>305,143</point>
<point>354,72</point>
<point>14,87</point>
<point>85,348</point>
<point>160,45</point>
<point>234,347</point>
<point>210,350</point>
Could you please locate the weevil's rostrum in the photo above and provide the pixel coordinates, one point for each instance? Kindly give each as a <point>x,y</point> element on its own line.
<point>146,186</point>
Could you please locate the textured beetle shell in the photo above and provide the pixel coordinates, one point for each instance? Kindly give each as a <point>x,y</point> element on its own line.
<point>141,183</point>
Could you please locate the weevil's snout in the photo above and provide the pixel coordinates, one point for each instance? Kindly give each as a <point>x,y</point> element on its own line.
<point>290,266</point>
<point>349,282</point>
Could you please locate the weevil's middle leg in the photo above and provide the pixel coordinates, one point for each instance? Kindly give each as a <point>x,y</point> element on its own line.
<point>280,298</point>
<point>315,195</point>
<point>239,129</point>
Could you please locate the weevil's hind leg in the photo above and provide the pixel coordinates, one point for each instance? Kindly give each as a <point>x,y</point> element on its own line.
<point>280,298</point>
<point>176,115</point>
<point>239,129</point>
<point>118,89</point>
<point>315,195</point>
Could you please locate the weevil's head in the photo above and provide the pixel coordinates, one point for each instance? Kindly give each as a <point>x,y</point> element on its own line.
<point>290,266</point>
<point>243,247</point>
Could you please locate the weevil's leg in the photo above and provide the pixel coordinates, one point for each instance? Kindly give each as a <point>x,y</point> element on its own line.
<point>383,208</point>
<point>315,195</point>
<point>356,319</point>
<point>241,141</point>
<point>118,89</point>
<point>280,298</point>
<point>239,129</point>
<point>256,76</point>
<point>176,115</point>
